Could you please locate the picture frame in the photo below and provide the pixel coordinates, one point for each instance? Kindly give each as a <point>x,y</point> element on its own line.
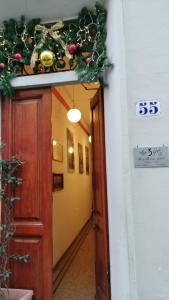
<point>80,153</point>
<point>70,152</point>
<point>87,159</point>
<point>57,151</point>
<point>58,182</point>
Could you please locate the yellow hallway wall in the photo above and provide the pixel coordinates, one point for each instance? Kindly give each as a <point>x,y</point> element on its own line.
<point>72,205</point>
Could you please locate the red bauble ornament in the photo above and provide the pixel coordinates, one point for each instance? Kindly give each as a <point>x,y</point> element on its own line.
<point>18,56</point>
<point>40,68</point>
<point>72,48</point>
<point>89,60</point>
<point>2,66</point>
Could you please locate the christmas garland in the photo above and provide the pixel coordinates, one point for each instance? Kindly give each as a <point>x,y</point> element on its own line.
<point>29,47</point>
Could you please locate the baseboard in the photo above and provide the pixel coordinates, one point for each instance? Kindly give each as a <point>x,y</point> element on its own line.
<point>65,261</point>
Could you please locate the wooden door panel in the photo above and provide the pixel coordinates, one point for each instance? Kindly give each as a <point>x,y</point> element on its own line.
<point>26,144</point>
<point>97,161</point>
<point>33,269</point>
<point>101,268</point>
<point>26,132</point>
<point>100,200</point>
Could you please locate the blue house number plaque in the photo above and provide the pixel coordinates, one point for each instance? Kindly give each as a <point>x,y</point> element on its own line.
<point>148,108</point>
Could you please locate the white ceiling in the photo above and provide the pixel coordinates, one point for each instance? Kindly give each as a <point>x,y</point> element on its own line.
<point>47,10</point>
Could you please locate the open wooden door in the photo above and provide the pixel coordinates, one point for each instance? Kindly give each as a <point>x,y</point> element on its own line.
<point>26,131</point>
<point>100,200</point>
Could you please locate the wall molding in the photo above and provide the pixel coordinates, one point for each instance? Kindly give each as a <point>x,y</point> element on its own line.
<point>42,80</point>
<point>66,260</point>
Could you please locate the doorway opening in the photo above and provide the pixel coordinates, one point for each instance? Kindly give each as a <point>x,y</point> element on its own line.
<point>73,193</point>
<point>27,132</point>
<point>73,236</point>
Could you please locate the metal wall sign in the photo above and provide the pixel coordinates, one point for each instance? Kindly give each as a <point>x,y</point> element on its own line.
<point>149,157</point>
<point>147,108</point>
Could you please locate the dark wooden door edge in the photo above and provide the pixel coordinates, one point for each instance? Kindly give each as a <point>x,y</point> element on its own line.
<point>100,215</point>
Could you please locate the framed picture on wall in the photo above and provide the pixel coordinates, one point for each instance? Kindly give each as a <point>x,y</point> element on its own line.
<point>58,182</point>
<point>87,159</point>
<point>57,151</point>
<point>80,152</point>
<point>70,151</point>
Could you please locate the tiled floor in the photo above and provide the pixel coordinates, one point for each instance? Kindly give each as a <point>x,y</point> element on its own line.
<point>79,281</point>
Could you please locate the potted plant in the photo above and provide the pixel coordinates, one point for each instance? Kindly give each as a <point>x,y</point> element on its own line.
<point>9,182</point>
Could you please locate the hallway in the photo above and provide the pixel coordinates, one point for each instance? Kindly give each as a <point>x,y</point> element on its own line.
<point>79,281</point>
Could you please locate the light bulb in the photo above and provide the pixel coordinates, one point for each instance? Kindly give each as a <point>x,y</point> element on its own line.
<point>71,150</point>
<point>74,115</point>
<point>90,139</point>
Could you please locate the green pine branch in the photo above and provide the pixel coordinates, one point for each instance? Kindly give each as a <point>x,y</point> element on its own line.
<point>88,33</point>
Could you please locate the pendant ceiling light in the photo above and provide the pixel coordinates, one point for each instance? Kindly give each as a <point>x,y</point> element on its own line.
<point>74,114</point>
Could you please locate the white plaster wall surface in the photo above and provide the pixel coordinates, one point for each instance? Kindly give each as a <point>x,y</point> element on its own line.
<point>146,25</point>
<point>46,10</point>
<point>122,261</point>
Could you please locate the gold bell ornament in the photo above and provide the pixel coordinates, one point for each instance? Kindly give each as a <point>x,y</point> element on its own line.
<point>47,58</point>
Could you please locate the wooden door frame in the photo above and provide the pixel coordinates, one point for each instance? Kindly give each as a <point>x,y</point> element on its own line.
<point>100,215</point>
<point>49,80</point>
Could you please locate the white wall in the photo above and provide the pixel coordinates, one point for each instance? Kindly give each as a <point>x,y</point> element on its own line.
<point>122,261</point>
<point>72,205</point>
<point>46,10</point>
<point>146,25</point>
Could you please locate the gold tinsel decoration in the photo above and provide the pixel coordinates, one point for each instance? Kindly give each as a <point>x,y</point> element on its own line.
<point>53,32</point>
